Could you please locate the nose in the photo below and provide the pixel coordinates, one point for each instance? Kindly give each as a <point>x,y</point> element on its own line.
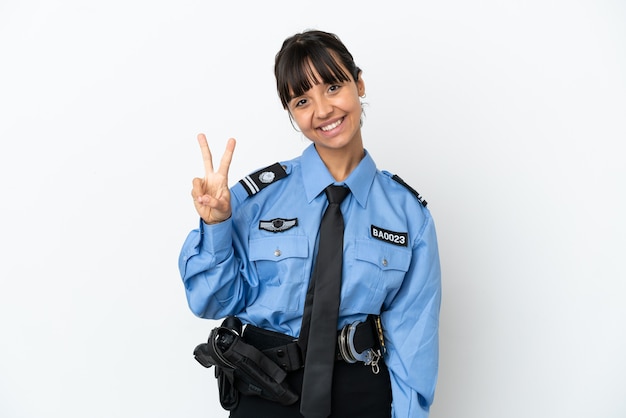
<point>323,107</point>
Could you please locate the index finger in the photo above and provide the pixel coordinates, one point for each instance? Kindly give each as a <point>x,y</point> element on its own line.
<point>227,157</point>
<point>207,158</point>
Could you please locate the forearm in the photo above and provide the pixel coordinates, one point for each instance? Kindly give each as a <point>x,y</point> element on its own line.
<point>210,271</point>
<point>406,403</point>
<point>411,323</point>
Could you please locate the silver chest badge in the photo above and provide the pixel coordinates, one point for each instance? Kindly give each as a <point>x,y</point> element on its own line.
<point>267,177</point>
<point>278,224</point>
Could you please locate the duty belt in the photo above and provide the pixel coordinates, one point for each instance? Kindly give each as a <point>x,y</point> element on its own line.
<point>359,341</point>
<point>256,361</point>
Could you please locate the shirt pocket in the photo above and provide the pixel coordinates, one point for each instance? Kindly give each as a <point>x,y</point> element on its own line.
<point>379,269</point>
<point>281,263</point>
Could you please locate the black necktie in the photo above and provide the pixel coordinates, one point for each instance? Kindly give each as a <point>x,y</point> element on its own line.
<point>318,337</point>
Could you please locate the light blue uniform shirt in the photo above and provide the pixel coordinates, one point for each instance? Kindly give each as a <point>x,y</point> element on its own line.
<point>257,264</point>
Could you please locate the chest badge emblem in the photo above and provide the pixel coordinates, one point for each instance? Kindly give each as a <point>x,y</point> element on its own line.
<point>278,224</point>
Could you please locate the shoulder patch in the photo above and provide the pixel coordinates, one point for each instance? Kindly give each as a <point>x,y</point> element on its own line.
<point>259,180</point>
<point>412,190</point>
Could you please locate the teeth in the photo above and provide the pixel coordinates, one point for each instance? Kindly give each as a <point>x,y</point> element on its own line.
<point>332,126</point>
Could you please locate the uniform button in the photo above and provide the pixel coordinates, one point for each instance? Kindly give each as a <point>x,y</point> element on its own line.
<point>277,252</point>
<point>384,262</point>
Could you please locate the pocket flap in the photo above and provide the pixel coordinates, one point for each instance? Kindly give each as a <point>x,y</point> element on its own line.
<point>279,247</point>
<point>385,256</point>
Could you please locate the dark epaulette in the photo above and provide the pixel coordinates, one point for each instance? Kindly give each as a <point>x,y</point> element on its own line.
<point>259,180</point>
<point>412,190</point>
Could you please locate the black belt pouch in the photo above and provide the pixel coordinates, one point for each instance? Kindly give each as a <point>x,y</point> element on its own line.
<point>229,396</point>
<point>242,368</point>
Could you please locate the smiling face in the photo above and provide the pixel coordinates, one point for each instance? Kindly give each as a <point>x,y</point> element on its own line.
<point>319,85</point>
<point>329,112</point>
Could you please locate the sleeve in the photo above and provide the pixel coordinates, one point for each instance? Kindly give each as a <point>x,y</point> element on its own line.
<point>212,274</point>
<point>411,329</point>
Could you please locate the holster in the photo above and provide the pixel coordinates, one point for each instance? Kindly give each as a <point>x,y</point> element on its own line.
<point>242,368</point>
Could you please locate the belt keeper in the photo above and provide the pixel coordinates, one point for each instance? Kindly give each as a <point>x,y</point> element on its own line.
<point>288,356</point>
<point>379,333</point>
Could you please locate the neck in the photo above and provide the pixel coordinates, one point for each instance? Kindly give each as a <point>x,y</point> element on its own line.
<point>340,163</point>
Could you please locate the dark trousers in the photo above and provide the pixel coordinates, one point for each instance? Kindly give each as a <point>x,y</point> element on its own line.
<point>357,392</point>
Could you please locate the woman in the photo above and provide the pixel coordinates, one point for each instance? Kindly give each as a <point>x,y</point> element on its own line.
<point>255,253</point>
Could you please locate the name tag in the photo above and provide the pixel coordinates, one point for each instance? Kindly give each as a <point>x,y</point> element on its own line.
<point>392,237</point>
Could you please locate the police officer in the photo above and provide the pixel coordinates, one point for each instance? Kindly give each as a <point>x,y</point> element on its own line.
<point>254,251</point>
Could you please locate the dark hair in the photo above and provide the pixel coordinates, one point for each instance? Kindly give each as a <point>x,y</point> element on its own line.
<point>307,51</point>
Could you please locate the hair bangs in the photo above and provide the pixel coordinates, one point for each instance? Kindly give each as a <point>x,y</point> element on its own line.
<point>300,74</point>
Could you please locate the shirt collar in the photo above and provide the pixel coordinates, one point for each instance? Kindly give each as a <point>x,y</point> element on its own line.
<point>317,177</point>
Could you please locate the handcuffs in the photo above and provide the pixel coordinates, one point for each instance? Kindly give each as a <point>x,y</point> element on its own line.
<point>370,356</point>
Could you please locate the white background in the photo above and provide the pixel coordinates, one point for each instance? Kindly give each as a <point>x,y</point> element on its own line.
<point>507,116</point>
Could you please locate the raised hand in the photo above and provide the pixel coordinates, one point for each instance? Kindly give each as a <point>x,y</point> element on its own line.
<point>211,195</point>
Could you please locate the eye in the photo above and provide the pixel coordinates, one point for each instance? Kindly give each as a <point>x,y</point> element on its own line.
<point>298,102</point>
<point>334,88</point>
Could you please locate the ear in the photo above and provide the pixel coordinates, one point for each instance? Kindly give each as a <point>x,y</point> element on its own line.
<point>360,85</point>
